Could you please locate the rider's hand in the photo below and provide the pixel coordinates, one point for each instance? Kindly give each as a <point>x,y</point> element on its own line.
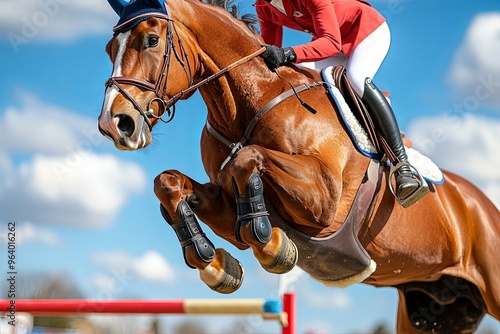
<point>275,57</point>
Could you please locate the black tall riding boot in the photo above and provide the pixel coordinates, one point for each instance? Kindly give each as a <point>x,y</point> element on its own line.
<point>408,188</point>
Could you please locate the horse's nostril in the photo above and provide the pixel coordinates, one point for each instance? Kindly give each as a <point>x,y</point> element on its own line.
<point>125,124</point>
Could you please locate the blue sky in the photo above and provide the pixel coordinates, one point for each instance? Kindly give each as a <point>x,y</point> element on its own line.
<point>85,210</point>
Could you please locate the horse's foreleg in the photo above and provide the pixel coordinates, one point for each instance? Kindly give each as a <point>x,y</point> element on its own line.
<point>274,250</point>
<point>178,195</point>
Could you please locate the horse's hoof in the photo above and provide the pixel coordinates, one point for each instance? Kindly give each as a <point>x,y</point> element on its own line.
<point>286,259</point>
<point>227,278</point>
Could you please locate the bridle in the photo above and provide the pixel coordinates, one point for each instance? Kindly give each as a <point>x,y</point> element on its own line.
<point>160,87</point>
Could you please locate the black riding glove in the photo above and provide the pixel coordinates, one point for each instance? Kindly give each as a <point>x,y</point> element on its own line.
<point>275,57</point>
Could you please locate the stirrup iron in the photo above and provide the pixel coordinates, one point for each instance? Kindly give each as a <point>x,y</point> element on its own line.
<point>420,192</point>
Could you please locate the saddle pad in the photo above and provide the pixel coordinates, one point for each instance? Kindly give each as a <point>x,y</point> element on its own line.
<point>425,166</point>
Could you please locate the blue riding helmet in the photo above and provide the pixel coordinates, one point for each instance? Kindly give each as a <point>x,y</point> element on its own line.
<point>129,10</point>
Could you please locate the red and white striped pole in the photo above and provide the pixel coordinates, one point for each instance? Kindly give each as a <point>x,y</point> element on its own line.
<point>188,306</point>
<point>269,309</point>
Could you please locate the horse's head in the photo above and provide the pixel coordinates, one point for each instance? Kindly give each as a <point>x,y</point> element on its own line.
<point>138,93</point>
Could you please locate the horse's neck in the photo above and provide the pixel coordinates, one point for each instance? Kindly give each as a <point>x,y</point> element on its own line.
<point>235,99</point>
<point>222,99</point>
<point>231,98</point>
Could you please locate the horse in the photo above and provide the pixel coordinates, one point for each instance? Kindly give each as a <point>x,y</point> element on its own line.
<point>284,174</point>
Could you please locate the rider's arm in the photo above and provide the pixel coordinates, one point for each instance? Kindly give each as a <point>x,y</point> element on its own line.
<point>327,40</point>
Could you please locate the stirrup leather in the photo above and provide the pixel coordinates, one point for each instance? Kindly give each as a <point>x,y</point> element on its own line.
<point>420,192</point>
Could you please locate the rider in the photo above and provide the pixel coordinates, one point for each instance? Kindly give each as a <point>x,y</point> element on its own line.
<point>343,30</point>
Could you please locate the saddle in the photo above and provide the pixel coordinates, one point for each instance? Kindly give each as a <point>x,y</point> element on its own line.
<point>363,132</point>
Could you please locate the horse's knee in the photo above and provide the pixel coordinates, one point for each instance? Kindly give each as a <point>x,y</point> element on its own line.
<point>167,185</point>
<point>248,160</point>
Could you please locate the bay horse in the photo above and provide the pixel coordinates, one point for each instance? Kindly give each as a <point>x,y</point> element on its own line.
<point>284,174</point>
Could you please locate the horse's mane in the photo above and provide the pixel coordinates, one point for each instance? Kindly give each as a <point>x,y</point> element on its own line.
<point>250,20</point>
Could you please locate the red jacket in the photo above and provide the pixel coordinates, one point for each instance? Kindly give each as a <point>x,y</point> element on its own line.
<point>336,25</point>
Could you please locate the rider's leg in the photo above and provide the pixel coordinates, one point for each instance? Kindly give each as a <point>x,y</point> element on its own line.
<point>367,57</point>
<point>363,65</point>
<point>337,60</point>
<point>385,121</point>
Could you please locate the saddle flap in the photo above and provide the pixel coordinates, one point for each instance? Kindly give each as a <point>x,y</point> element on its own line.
<point>356,105</point>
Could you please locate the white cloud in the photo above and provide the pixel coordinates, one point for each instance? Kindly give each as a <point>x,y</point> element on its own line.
<point>333,299</point>
<point>27,232</point>
<point>475,71</point>
<point>465,144</point>
<point>54,19</point>
<point>103,282</point>
<point>150,267</point>
<point>43,128</point>
<point>5,163</point>
<point>87,193</point>
<point>60,179</point>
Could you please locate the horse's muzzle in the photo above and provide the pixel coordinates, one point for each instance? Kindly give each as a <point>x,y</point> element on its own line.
<point>125,132</point>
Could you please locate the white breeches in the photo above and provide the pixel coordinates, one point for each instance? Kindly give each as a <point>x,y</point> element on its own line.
<point>364,61</point>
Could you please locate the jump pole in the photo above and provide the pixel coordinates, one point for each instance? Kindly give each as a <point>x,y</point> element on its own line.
<point>288,323</point>
<point>268,309</point>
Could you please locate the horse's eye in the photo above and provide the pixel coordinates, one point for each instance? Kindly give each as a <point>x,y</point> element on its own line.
<point>152,41</point>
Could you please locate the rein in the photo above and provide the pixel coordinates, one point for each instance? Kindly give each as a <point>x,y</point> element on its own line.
<point>214,76</point>
<point>158,88</point>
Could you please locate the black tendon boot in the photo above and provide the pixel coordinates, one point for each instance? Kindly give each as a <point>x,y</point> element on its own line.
<point>189,233</point>
<point>251,210</point>
<point>409,189</point>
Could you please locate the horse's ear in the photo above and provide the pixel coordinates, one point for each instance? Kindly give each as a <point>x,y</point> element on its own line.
<point>118,5</point>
